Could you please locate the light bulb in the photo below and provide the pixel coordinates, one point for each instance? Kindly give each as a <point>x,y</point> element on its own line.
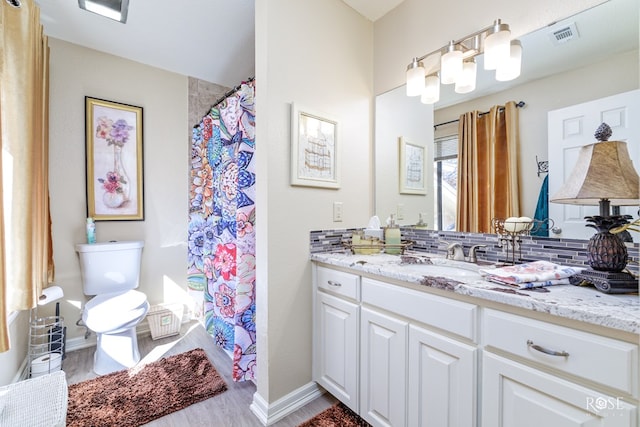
<point>431,93</point>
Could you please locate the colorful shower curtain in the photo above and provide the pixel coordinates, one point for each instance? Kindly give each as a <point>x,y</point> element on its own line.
<point>221,226</point>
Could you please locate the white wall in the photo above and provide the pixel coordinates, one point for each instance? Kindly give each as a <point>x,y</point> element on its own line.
<point>317,53</point>
<point>76,72</point>
<point>13,361</point>
<point>417,27</point>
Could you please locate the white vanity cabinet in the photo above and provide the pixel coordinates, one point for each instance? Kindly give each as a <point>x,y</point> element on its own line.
<point>383,367</point>
<point>401,356</point>
<point>416,369</point>
<point>538,373</point>
<point>336,334</point>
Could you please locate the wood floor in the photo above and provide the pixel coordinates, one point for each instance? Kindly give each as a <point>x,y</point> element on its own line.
<point>229,409</point>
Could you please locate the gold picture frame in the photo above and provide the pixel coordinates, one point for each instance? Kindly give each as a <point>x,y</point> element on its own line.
<point>114,160</point>
<point>413,164</point>
<point>315,150</point>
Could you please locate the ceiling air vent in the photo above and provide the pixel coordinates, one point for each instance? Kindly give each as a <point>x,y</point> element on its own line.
<point>564,34</point>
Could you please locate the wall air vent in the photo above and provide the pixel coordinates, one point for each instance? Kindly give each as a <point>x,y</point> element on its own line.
<point>564,34</point>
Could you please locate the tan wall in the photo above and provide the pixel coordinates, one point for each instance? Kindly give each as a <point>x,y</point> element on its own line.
<point>76,72</point>
<point>13,360</point>
<point>317,53</point>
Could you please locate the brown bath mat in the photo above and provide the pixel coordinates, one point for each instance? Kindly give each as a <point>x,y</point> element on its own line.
<point>136,396</point>
<point>336,416</point>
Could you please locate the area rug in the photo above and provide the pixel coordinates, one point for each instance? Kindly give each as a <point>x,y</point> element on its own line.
<point>136,396</point>
<point>337,415</point>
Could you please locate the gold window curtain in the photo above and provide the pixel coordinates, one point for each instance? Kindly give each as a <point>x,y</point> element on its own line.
<point>26,258</point>
<point>488,169</point>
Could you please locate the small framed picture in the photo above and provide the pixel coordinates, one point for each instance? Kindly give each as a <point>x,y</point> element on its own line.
<point>412,167</point>
<point>113,160</point>
<point>315,150</point>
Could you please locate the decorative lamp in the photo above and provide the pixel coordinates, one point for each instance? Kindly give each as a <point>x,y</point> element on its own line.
<point>415,78</point>
<point>604,175</point>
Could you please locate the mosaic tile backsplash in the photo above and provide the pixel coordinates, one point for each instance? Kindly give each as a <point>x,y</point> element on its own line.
<point>559,251</point>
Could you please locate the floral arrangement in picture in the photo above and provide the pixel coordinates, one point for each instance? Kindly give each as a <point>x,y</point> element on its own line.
<point>116,184</point>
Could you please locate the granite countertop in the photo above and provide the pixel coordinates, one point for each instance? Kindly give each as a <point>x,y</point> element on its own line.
<point>585,304</point>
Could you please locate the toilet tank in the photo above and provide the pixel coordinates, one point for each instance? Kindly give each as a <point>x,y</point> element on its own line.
<point>109,266</point>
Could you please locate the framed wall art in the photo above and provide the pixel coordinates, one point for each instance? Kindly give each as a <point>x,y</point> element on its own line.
<point>114,161</point>
<point>314,149</point>
<point>412,167</point>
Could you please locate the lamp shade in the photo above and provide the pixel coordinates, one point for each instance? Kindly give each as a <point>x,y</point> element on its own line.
<point>451,64</point>
<point>603,170</point>
<point>467,81</point>
<point>510,69</point>
<point>415,78</point>
<point>431,93</point>
<point>497,47</point>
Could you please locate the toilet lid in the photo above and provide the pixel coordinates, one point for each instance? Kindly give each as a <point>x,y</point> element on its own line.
<point>107,312</point>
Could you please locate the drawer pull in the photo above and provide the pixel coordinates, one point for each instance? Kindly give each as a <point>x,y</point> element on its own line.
<point>335,284</point>
<point>546,350</point>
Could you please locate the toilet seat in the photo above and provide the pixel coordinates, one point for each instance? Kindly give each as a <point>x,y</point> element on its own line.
<point>109,312</point>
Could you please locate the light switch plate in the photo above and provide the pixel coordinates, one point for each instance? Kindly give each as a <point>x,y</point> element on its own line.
<point>337,211</point>
<point>400,211</point>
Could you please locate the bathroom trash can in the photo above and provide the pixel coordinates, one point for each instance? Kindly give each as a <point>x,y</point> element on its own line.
<point>164,320</point>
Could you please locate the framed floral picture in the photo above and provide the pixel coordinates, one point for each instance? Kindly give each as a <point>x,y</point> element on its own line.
<point>114,160</point>
<point>412,167</point>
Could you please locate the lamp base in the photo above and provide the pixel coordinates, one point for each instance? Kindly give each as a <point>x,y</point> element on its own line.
<point>609,282</point>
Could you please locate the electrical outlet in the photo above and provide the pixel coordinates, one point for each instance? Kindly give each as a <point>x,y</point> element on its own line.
<point>400,212</point>
<point>337,211</point>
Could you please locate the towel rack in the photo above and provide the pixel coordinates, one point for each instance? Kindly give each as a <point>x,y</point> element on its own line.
<point>543,166</point>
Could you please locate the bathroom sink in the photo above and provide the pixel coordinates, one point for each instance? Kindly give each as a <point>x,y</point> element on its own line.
<point>452,272</point>
<point>442,267</point>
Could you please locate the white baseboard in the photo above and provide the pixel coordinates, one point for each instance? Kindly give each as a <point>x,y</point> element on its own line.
<point>269,414</point>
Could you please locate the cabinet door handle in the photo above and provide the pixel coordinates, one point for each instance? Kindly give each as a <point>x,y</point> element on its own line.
<point>332,283</point>
<point>546,350</point>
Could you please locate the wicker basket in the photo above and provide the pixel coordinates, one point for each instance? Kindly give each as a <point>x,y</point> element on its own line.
<point>164,320</point>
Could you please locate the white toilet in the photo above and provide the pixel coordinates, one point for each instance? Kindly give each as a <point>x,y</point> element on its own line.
<point>110,273</point>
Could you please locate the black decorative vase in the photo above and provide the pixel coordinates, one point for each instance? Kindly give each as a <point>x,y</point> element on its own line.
<point>607,252</point>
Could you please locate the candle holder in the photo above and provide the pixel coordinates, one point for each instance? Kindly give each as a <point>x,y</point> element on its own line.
<point>510,232</point>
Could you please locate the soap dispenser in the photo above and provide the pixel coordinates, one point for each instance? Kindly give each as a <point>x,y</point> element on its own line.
<point>91,231</point>
<point>392,238</point>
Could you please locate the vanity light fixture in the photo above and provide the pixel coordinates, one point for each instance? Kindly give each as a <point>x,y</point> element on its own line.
<point>112,9</point>
<point>455,62</point>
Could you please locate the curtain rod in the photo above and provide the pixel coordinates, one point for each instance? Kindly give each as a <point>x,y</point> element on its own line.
<point>231,92</point>
<point>520,104</point>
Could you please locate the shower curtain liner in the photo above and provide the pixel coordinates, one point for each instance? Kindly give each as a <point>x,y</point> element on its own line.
<point>221,270</point>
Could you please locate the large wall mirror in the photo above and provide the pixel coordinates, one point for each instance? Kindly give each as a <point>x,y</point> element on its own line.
<point>600,60</point>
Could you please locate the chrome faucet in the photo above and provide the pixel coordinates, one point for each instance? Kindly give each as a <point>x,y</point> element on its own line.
<point>472,253</point>
<point>455,252</point>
